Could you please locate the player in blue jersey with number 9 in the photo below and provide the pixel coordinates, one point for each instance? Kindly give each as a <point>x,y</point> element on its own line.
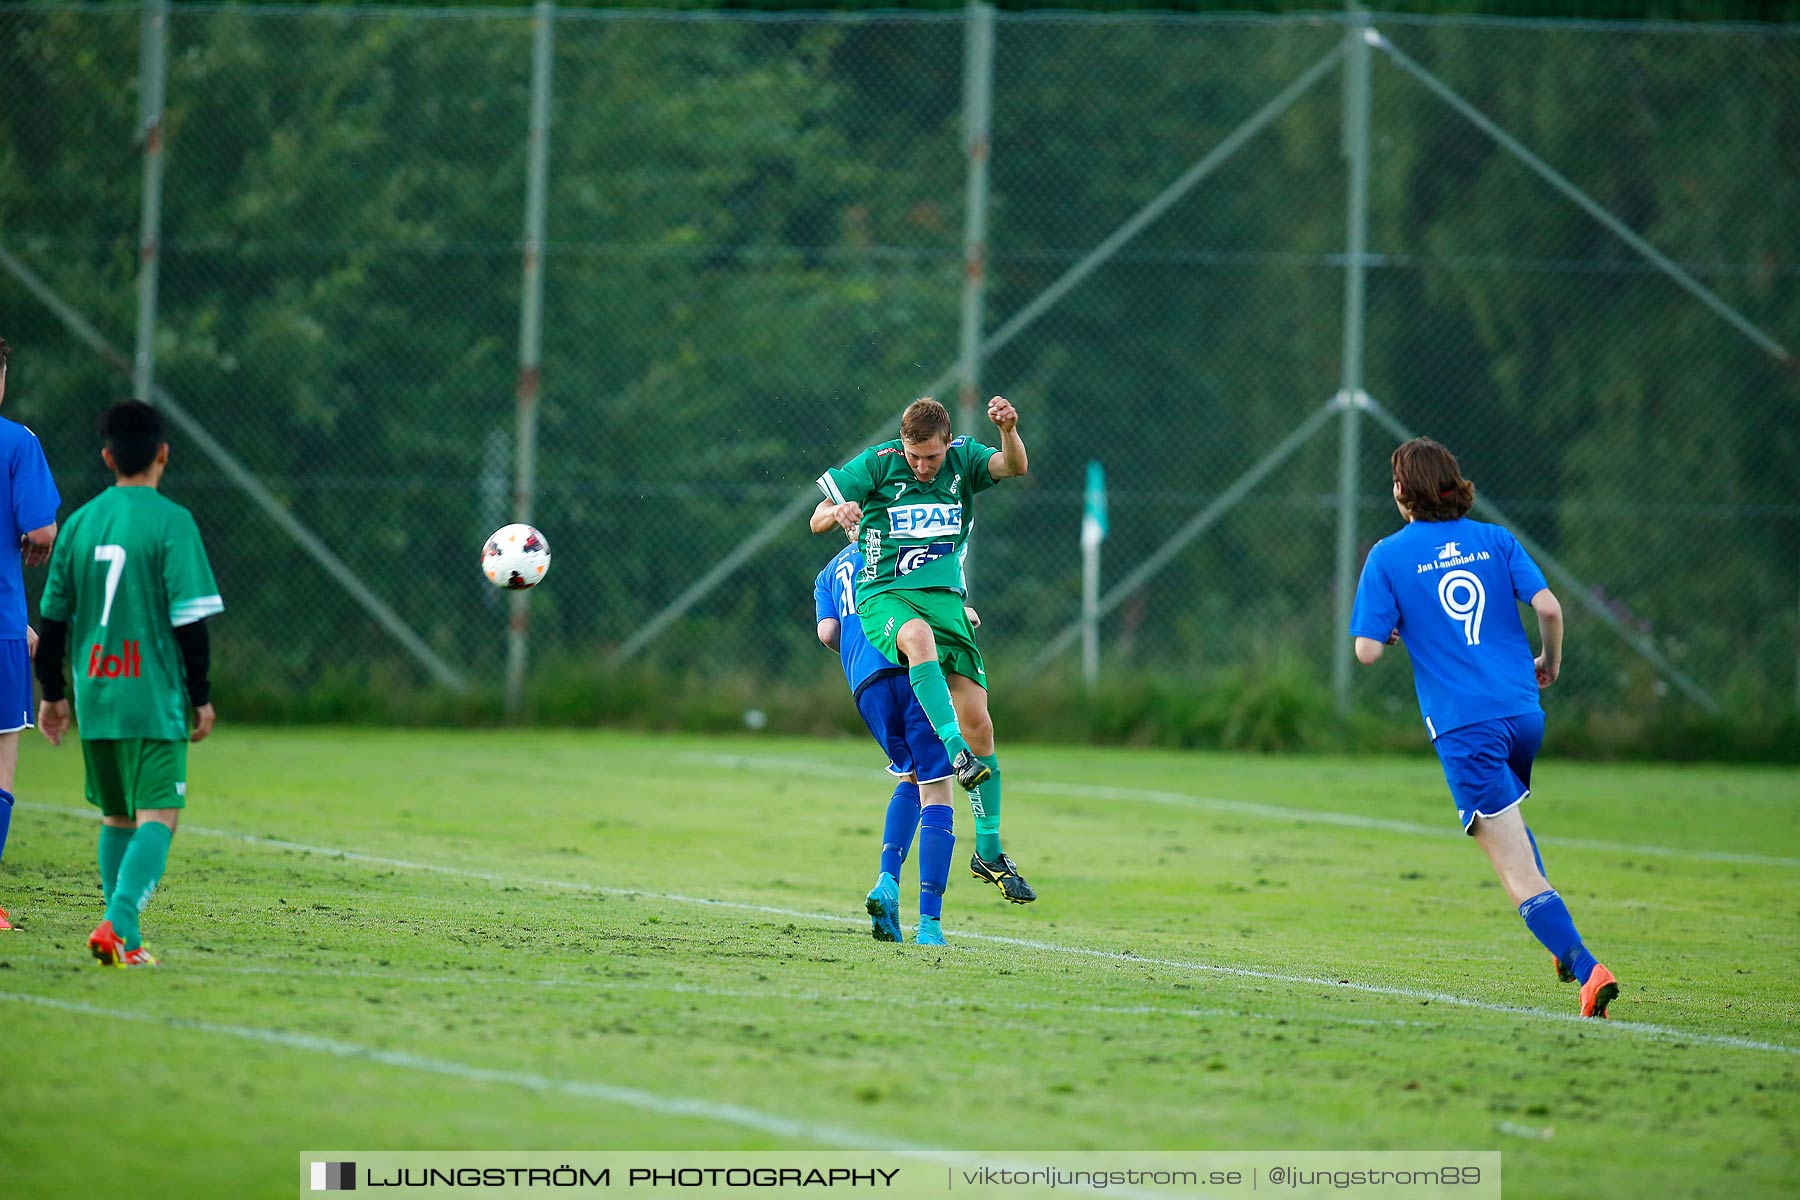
<point>1447,586</point>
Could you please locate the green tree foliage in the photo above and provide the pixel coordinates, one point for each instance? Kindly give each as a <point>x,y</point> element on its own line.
<point>755,259</point>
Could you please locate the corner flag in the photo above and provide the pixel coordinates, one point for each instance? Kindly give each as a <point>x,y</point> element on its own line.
<point>1093,506</point>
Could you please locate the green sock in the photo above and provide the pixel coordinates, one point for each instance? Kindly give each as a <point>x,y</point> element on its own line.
<point>984,802</point>
<point>934,697</point>
<point>139,873</point>
<point>113,841</point>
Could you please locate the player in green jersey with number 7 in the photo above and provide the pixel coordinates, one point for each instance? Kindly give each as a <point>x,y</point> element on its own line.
<point>130,588</point>
<point>911,504</point>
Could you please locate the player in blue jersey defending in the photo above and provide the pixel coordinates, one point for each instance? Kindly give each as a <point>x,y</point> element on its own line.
<point>922,798</point>
<point>29,514</point>
<point>1446,586</point>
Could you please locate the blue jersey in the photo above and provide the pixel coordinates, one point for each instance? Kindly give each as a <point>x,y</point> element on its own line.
<point>31,503</point>
<point>1449,587</point>
<point>834,597</point>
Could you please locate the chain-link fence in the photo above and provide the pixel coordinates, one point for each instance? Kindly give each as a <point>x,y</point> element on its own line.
<point>755,256</point>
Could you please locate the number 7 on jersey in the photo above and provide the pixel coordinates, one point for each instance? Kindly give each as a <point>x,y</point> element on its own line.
<point>114,558</point>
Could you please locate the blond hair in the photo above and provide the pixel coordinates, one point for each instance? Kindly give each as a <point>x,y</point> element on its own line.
<point>923,420</point>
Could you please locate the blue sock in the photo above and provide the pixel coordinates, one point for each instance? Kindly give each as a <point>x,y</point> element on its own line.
<point>937,840</point>
<point>1536,855</point>
<point>1550,923</point>
<point>6,803</point>
<point>902,819</point>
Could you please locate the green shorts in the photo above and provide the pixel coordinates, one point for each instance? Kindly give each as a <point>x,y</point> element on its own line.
<point>126,774</point>
<point>884,613</point>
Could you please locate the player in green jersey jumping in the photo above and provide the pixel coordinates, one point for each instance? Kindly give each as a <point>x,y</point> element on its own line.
<point>130,585</point>
<point>911,504</point>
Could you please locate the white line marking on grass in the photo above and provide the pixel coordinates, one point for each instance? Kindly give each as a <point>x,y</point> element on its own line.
<point>671,1106</point>
<point>601,984</point>
<point>628,1097</point>
<point>1603,1027</point>
<point>1537,1133</point>
<point>1247,808</point>
<point>1654,1032</point>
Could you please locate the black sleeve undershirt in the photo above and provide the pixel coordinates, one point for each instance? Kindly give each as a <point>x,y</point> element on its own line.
<point>196,655</point>
<point>196,652</point>
<point>53,647</point>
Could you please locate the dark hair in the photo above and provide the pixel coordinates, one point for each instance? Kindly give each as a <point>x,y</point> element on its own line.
<point>5,354</point>
<point>1431,484</point>
<point>133,432</point>
<point>923,420</point>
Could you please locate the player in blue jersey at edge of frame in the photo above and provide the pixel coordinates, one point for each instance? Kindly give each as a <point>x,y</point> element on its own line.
<point>30,503</point>
<point>916,756</point>
<point>1444,585</point>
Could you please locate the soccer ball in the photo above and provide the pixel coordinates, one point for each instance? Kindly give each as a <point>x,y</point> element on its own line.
<point>516,557</point>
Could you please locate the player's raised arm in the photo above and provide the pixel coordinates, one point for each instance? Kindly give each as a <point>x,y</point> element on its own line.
<point>1009,462</point>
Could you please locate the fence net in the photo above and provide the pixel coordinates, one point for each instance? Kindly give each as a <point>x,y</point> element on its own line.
<point>754,259</point>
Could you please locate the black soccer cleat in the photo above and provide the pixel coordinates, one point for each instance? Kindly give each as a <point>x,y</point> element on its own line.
<point>971,772</point>
<point>1003,875</point>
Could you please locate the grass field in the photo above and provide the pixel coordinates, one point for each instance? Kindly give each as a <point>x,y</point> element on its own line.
<point>538,940</point>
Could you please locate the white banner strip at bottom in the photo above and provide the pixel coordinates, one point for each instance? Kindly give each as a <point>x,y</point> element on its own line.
<point>958,1175</point>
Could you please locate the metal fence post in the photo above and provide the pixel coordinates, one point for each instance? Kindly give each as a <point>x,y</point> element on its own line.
<point>238,474</point>
<point>531,334</point>
<point>1009,329</point>
<point>153,59</point>
<point>1356,150</point>
<point>978,107</point>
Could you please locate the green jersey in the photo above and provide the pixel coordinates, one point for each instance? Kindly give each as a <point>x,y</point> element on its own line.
<point>127,569</point>
<point>913,534</point>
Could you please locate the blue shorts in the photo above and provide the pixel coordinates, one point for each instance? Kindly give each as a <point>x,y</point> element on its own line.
<point>1488,764</point>
<point>901,729</point>
<point>15,686</point>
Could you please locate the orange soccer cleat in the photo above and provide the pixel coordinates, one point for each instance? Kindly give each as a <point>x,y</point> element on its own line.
<point>4,923</point>
<point>109,949</point>
<point>108,946</point>
<point>1600,990</point>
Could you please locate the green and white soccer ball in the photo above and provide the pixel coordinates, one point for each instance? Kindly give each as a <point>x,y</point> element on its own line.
<point>515,557</point>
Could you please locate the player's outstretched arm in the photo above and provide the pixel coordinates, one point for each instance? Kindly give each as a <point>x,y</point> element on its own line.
<point>1010,462</point>
<point>1550,632</point>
